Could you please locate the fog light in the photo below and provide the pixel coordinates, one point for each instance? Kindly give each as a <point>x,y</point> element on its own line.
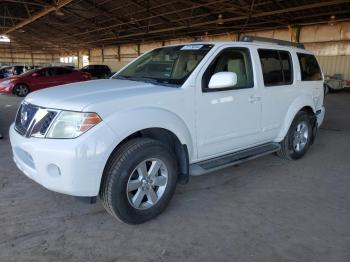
<point>53,170</point>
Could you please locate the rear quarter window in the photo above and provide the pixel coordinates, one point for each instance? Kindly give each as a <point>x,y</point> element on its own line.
<point>63,71</point>
<point>276,67</point>
<point>309,67</point>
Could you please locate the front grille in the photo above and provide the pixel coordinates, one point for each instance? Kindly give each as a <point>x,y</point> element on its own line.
<point>34,121</point>
<point>47,122</point>
<point>25,115</point>
<point>42,125</point>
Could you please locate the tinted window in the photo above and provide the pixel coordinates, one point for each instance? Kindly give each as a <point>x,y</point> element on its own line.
<point>310,70</point>
<point>276,66</point>
<point>286,66</point>
<point>17,70</point>
<point>62,71</point>
<point>46,72</point>
<point>236,60</point>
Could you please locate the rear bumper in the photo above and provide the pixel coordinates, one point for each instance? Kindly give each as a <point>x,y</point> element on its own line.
<point>68,166</point>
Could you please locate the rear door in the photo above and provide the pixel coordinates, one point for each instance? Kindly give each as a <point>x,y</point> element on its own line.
<point>42,79</point>
<point>65,75</point>
<point>279,91</point>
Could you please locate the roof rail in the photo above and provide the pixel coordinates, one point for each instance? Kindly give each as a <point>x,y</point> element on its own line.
<point>250,38</point>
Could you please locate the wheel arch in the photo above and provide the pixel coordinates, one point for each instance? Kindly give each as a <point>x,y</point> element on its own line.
<point>166,137</point>
<point>301,104</point>
<point>20,83</point>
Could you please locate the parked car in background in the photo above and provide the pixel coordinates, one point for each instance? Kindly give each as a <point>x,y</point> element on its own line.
<point>8,71</point>
<point>336,82</point>
<point>98,71</point>
<point>5,71</point>
<point>20,69</point>
<point>41,78</point>
<point>33,67</point>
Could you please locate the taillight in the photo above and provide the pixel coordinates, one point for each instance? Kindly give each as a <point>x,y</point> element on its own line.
<point>86,76</point>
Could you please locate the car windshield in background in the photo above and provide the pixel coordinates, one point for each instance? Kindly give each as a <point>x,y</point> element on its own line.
<point>28,73</point>
<point>167,65</point>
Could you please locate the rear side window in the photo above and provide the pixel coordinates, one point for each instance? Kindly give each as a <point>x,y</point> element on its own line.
<point>310,70</point>
<point>286,66</point>
<point>63,71</point>
<point>47,72</point>
<point>276,67</point>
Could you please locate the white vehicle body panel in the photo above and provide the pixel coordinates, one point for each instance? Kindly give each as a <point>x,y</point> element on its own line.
<point>210,124</point>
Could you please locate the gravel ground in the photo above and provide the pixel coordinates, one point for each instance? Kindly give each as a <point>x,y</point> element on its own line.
<point>264,210</point>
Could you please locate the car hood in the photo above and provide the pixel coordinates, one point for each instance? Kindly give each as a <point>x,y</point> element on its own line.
<point>9,78</point>
<point>77,96</point>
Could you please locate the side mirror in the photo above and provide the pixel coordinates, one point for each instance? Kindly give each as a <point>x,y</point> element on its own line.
<point>223,80</point>
<point>35,74</point>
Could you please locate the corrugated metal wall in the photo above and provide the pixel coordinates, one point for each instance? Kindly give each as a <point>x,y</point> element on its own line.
<point>331,44</point>
<point>10,57</point>
<point>335,65</point>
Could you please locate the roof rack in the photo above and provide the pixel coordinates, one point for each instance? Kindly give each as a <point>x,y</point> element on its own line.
<point>250,38</point>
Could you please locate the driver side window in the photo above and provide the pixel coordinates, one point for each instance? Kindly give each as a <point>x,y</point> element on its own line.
<point>236,60</point>
<point>46,72</point>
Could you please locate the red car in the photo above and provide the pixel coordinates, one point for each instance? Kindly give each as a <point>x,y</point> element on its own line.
<point>41,78</point>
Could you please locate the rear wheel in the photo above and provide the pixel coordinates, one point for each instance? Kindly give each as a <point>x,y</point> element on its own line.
<point>299,137</point>
<point>139,180</point>
<point>21,90</point>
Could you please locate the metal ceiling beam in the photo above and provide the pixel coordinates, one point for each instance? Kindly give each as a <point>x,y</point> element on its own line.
<point>232,19</point>
<point>46,10</point>
<point>153,16</point>
<point>24,2</point>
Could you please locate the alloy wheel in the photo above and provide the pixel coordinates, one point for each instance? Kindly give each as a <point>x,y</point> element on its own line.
<point>301,136</point>
<point>21,90</point>
<point>147,183</point>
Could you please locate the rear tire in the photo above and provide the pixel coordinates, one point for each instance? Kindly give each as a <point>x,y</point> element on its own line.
<point>139,180</point>
<point>298,139</point>
<point>21,90</point>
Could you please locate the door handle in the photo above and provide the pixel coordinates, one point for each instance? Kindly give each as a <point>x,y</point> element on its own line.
<point>254,99</point>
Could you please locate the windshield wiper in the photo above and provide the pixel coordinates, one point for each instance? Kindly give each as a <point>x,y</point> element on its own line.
<point>145,80</point>
<point>138,79</point>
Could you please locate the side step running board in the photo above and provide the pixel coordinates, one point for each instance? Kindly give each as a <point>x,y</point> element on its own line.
<point>235,158</point>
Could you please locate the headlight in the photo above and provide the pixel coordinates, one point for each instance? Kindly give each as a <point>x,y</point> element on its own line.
<point>72,124</point>
<point>6,82</point>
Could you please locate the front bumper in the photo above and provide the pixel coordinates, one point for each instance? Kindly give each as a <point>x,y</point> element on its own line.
<point>68,166</point>
<point>6,90</point>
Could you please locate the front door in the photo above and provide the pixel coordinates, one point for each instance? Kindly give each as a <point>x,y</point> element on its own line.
<point>44,78</point>
<point>227,119</point>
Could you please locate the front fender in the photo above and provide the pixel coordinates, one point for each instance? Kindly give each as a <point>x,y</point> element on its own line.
<point>125,123</point>
<point>294,108</point>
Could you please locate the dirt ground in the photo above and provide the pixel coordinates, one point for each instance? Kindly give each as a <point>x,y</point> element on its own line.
<point>264,210</point>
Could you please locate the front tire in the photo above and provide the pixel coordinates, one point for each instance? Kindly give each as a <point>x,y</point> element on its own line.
<point>299,137</point>
<point>139,180</point>
<point>21,90</point>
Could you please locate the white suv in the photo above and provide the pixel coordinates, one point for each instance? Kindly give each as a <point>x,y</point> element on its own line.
<point>173,112</point>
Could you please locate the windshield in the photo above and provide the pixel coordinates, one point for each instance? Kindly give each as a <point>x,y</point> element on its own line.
<point>167,65</point>
<point>30,72</point>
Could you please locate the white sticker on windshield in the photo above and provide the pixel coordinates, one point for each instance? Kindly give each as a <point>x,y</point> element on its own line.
<point>191,47</point>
